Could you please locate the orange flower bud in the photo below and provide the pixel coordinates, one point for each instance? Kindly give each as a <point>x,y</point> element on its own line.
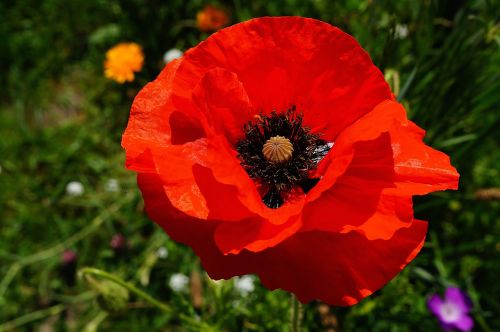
<point>212,18</point>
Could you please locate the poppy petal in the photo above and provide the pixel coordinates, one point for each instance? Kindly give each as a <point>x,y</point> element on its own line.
<point>247,230</point>
<point>332,79</point>
<point>227,172</point>
<point>254,234</point>
<point>342,269</point>
<point>389,163</point>
<point>146,126</point>
<point>378,217</point>
<point>339,269</point>
<point>189,171</point>
<point>419,169</point>
<point>175,166</point>
<point>150,123</point>
<point>367,179</point>
<point>222,98</point>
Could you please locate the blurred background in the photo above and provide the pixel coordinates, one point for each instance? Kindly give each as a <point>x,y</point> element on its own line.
<point>66,200</point>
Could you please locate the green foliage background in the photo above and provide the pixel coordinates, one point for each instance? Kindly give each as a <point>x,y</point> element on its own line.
<point>61,121</point>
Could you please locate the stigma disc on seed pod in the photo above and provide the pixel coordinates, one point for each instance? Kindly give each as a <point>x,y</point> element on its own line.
<point>278,149</point>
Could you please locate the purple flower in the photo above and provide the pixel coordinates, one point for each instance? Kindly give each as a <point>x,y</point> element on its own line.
<point>68,257</point>
<point>68,266</point>
<point>453,311</point>
<point>118,242</point>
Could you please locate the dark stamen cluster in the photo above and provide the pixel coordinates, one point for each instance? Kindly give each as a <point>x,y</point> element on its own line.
<point>280,178</point>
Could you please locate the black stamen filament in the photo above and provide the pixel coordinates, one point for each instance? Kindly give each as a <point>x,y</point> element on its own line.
<point>278,179</point>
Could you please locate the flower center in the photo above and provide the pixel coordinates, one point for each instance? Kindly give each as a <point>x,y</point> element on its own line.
<point>449,312</point>
<point>279,153</point>
<point>277,149</point>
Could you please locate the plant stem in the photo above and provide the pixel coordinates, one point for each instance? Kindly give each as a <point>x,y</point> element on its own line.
<point>93,325</point>
<point>131,288</point>
<point>146,297</point>
<point>43,313</point>
<point>295,314</point>
<point>32,316</point>
<point>60,247</point>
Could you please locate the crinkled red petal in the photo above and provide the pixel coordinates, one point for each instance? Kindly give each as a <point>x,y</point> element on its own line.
<point>223,101</point>
<point>340,269</point>
<point>290,60</point>
<point>389,165</point>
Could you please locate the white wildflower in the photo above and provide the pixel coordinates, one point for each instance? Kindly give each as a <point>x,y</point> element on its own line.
<point>74,188</point>
<point>112,186</point>
<point>171,55</point>
<point>162,252</point>
<point>244,285</point>
<point>401,31</point>
<point>178,282</point>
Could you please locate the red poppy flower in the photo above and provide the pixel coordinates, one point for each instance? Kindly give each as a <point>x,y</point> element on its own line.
<point>325,211</point>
